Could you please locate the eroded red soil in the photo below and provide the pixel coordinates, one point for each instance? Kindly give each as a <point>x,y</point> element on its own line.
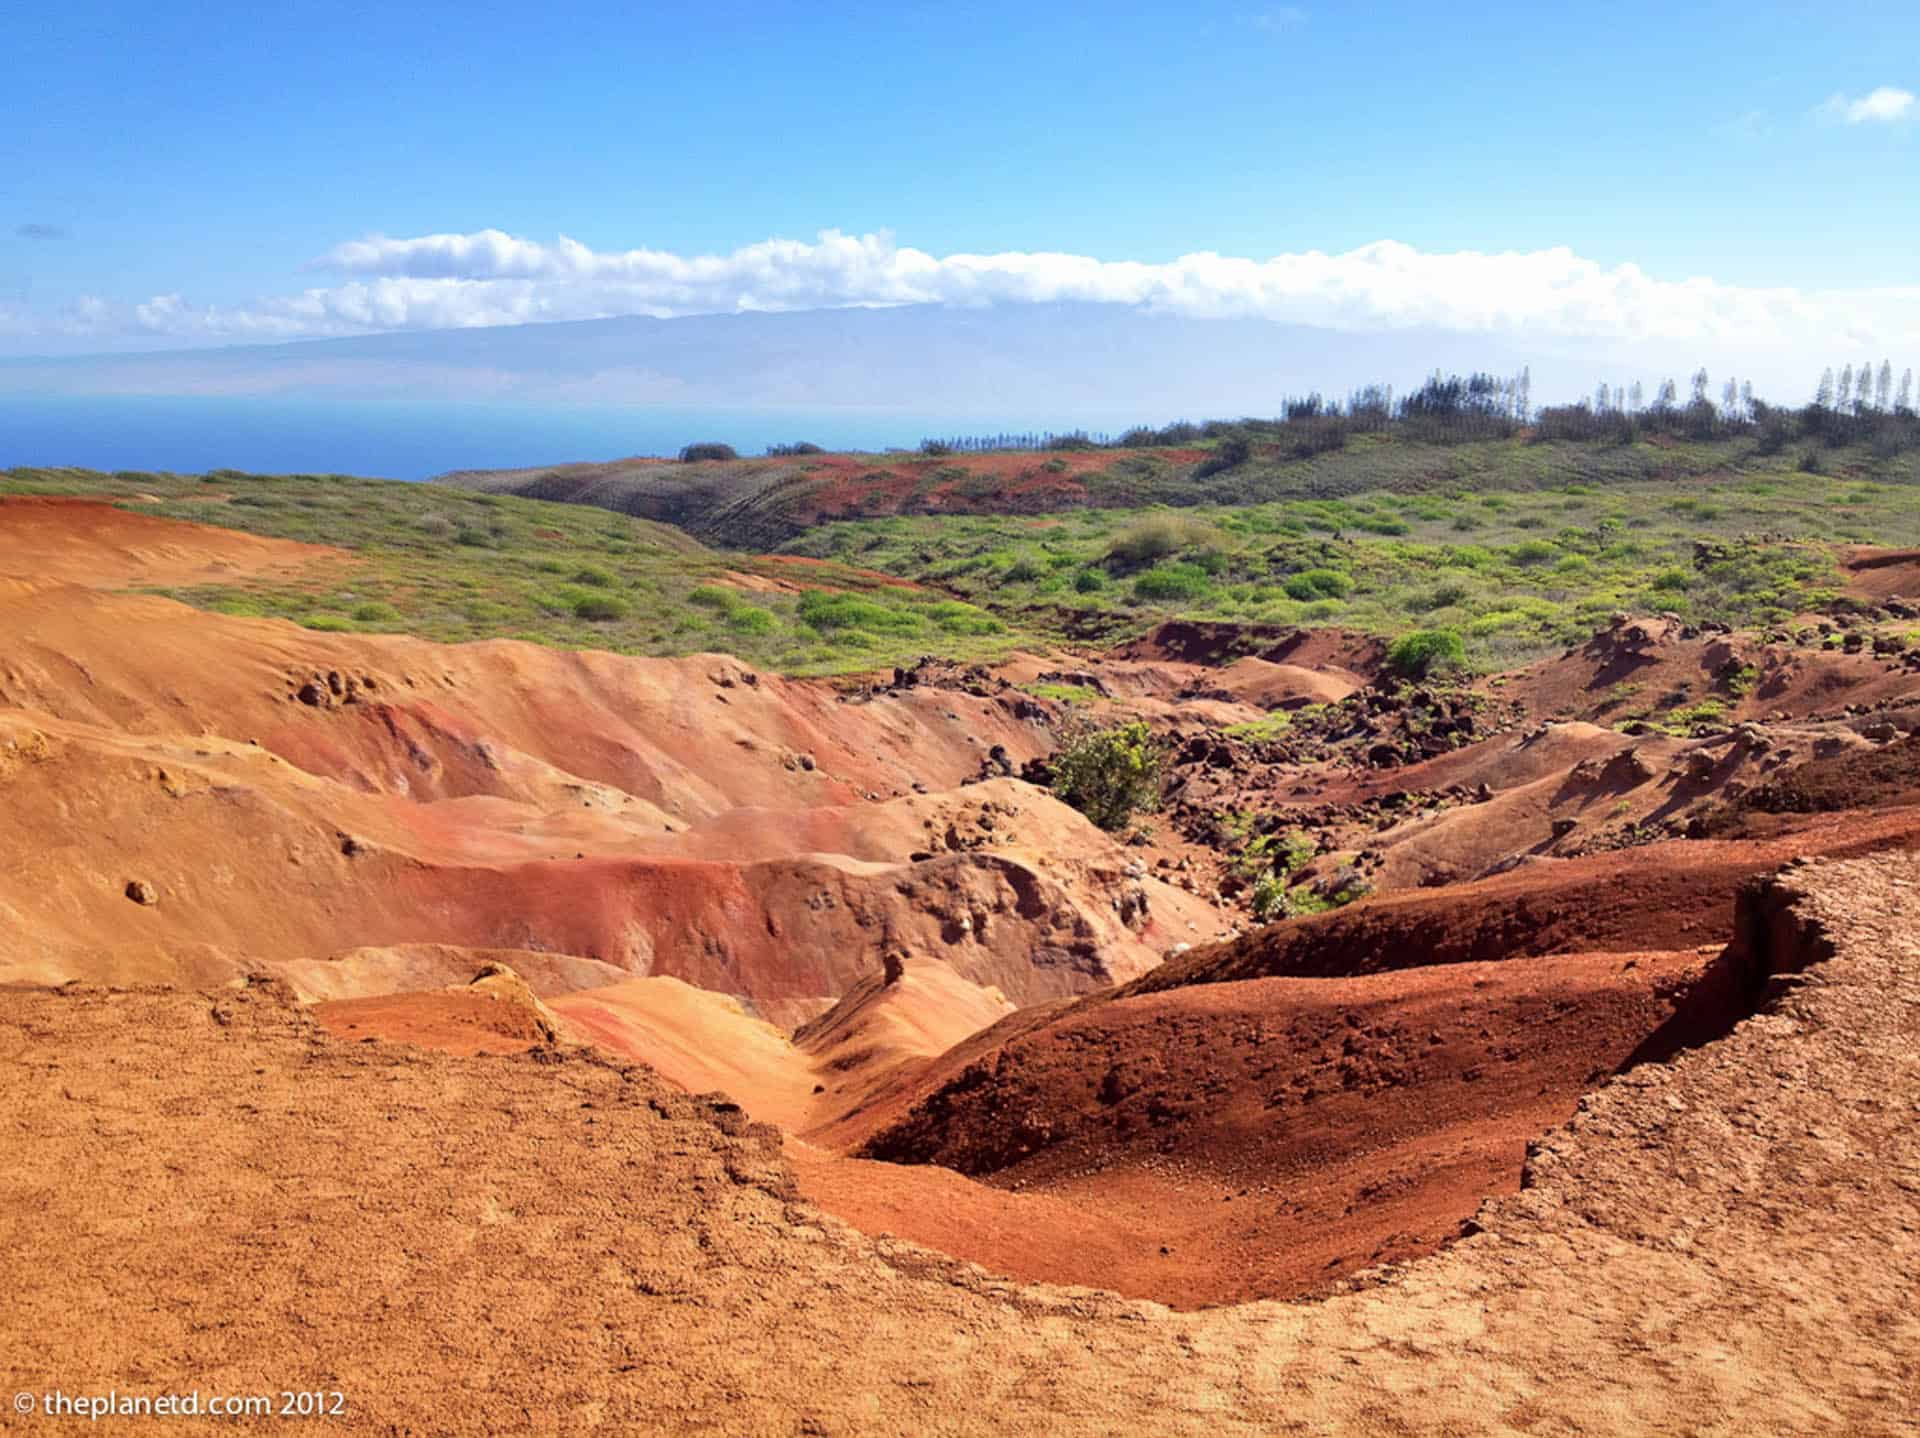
<point>983,1025</point>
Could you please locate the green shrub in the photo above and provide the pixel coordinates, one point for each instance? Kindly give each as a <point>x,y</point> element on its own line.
<point>243,606</point>
<point>1233,449</point>
<point>1171,582</point>
<point>751,619</point>
<point>954,617</point>
<point>1446,594</point>
<point>1159,537</point>
<point>1318,584</point>
<point>1258,730</point>
<point>829,611</point>
<point>1024,570</point>
<point>708,449</point>
<point>601,608</point>
<point>1529,552</point>
<point>1380,524</point>
<point>1089,581</point>
<point>1425,652</point>
<point>327,623</point>
<point>377,613</point>
<point>594,575</point>
<point>1269,897</point>
<point>1110,774</point>
<point>1063,693</point>
<point>713,596</point>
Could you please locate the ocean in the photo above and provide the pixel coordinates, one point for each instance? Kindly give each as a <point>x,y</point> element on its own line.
<point>412,440</point>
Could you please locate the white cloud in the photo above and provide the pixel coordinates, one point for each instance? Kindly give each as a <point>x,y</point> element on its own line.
<point>491,277</point>
<point>1881,106</point>
<point>455,281</point>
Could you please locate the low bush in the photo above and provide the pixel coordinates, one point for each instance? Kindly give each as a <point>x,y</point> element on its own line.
<point>1158,537</point>
<point>1318,584</point>
<point>1530,552</point>
<point>954,617</point>
<point>706,450</point>
<point>828,611</point>
<point>1232,450</point>
<point>751,619</point>
<point>1425,652</point>
<point>1171,582</point>
<point>601,608</point>
<point>1110,774</point>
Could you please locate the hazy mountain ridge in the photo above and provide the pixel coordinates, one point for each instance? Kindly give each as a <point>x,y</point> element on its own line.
<point>1084,363</point>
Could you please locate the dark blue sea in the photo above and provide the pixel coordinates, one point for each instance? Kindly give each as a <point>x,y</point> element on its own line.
<point>406,440</point>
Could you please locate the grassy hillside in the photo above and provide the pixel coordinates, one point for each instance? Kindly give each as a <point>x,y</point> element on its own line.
<point>1518,547</point>
<point>455,566</point>
<point>1516,572</point>
<point>762,504</point>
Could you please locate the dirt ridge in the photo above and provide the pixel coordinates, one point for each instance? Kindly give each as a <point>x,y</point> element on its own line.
<point>1757,1197</point>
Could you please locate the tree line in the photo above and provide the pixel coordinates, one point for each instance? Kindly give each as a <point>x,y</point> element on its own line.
<point>1856,404</point>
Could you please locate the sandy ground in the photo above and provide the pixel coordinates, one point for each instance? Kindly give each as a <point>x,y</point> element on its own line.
<point>205,1191</point>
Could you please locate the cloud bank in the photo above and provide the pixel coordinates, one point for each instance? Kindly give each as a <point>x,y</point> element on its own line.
<point>1882,106</point>
<point>455,281</point>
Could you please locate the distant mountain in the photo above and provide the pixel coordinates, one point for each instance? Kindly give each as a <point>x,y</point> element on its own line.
<point>1060,364</point>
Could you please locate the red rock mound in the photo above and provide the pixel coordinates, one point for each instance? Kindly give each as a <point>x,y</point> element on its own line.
<point>273,791</point>
<point>1645,898</point>
<point>453,1023</point>
<point>1262,1138</point>
<point>1643,666</point>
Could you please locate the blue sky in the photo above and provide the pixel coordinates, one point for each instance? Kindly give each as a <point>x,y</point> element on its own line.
<point>213,151</point>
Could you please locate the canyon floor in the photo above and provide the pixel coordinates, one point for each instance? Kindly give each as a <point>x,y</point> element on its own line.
<point>516,1039</point>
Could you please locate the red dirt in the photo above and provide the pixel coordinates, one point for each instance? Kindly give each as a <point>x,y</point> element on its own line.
<point>740,882</point>
<point>92,543</point>
<point>1267,685</point>
<point>1262,1139</point>
<point>1003,482</point>
<point>1635,899</point>
<point>202,1190</point>
<point>501,795</point>
<point>1219,642</point>
<point>1884,573</point>
<point>454,1023</point>
<point>1648,661</point>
